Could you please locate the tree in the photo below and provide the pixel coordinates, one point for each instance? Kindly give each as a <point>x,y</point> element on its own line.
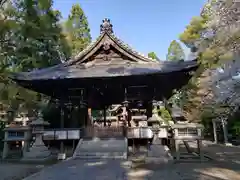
<point>77,29</point>
<point>215,33</point>
<point>192,33</point>
<point>40,43</point>
<point>31,38</point>
<point>153,55</point>
<point>175,52</point>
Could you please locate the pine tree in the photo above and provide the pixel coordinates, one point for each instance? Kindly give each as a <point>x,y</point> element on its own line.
<point>175,52</point>
<point>77,29</point>
<point>40,41</point>
<point>153,55</point>
<point>31,38</point>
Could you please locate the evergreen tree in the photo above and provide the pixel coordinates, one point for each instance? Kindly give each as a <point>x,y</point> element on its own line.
<point>153,55</point>
<point>31,38</point>
<point>77,29</point>
<point>215,35</point>
<point>40,42</point>
<point>175,52</point>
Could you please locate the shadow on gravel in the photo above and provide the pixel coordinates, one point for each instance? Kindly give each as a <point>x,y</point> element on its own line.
<point>188,171</point>
<point>120,170</point>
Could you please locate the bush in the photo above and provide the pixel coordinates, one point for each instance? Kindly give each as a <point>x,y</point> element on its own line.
<point>163,112</point>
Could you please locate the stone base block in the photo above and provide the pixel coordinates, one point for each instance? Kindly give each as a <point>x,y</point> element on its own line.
<point>61,156</point>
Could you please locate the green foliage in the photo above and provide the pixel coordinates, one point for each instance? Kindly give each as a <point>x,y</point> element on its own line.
<point>40,39</point>
<point>236,128</point>
<point>77,29</point>
<point>31,38</point>
<point>215,33</point>
<point>234,124</point>
<point>175,52</point>
<point>153,55</point>
<point>165,114</point>
<point>193,31</point>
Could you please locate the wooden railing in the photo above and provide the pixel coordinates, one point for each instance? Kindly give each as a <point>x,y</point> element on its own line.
<point>62,134</point>
<point>101,132</point>
<point>139,132</point>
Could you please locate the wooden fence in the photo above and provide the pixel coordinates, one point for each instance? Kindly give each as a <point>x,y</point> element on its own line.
<point>101,132</point>
<point>104,132</point>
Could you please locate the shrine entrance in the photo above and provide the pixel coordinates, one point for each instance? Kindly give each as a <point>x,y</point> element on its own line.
<point>109,72</point>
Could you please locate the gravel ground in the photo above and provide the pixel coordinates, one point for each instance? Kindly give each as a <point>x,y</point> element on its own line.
<point>116,170</point>
<point>13,171</point>
<point>224,169</point>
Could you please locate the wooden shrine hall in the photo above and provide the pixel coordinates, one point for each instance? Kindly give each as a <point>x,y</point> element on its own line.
<point>109,72</point>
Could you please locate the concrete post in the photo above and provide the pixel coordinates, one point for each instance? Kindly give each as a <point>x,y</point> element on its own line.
<point>6,146</point>
<point>26,143</point>
<point>104,116</point>
<point>199,144</point>
<point>177,144</point>
<point>214,131</point>
<point>225,132</point>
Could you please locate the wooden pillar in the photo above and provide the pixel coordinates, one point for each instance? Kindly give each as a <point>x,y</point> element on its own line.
<point>62,126</point>
<point>104,116</point>
<point>89,116</point>
<point>149,109</point>
<point>84,115</point>
<point>124,115</point>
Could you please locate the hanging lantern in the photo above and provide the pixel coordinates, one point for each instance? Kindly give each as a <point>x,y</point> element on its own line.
<point>82,105</point>
<point>125,103</point>
<point>139,103</point>
<point>57,103</point>
<point>69,105</point>
<point>154,102</point>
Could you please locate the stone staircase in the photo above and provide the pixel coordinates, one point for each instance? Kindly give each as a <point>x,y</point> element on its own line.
<point>96,148</point>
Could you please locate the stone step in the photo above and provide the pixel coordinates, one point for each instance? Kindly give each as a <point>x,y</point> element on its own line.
<point>102,143</point>
<point>101,148</point>
<point>99,155</point>
<point>159,154</point>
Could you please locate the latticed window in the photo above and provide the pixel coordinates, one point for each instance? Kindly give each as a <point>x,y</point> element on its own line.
<point>15,134</point>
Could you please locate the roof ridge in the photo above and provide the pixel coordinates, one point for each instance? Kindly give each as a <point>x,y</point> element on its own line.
<point>127,47</point>
<point>85,50</point>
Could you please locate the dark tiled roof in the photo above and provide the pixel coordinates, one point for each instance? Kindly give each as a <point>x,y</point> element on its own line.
<point>110,70</point>
<point>138,64</point>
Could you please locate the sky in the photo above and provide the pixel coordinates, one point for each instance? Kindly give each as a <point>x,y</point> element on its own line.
<point>146,25</point>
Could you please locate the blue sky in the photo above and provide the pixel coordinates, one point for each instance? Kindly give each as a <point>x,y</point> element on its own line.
<point>146,25</point>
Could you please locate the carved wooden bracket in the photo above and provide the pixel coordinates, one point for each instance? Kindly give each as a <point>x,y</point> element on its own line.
<point>106,47</point>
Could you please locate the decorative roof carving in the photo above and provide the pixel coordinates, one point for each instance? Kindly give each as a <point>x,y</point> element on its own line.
<point>106,26</point>
<point>106,46</point>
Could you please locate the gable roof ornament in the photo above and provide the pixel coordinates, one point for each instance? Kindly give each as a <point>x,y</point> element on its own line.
<point>106,26</point>
<point>106,41</point>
